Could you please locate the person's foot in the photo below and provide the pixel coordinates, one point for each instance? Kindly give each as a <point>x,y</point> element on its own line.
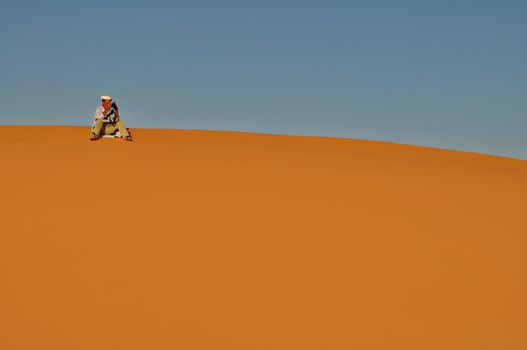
<point>94,137</point>
<point>128,138</point>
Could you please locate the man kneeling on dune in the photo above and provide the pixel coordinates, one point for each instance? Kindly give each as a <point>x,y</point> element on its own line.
<point>107,121</point>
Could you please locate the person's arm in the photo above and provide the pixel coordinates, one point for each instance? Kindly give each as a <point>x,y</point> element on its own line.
<point>116,109</point>
<point>99,114</point>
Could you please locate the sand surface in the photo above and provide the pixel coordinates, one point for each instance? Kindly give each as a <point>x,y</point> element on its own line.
<point>215,240</point>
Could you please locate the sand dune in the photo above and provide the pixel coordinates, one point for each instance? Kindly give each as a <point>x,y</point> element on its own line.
<point>223,240</point>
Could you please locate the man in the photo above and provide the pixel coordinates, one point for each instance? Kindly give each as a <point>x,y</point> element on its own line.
<point>107,121</point>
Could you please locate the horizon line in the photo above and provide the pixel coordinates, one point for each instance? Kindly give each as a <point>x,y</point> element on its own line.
<point>341,138</point>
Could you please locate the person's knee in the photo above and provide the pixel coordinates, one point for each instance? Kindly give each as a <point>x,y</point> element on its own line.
<point>96,127</point>
<point>121,127</point>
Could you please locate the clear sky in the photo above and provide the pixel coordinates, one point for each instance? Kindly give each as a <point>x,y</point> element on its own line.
<point>449,74</point>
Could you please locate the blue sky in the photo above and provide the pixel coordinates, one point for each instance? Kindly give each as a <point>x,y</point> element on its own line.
<point>448,74</point>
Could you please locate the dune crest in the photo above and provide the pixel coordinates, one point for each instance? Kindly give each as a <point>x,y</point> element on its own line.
<point>190,239</point>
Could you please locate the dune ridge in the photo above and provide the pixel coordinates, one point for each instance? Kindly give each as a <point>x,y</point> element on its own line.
<point>204,239</point>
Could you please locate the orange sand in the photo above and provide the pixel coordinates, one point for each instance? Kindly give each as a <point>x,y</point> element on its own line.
<point>249,241</point>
